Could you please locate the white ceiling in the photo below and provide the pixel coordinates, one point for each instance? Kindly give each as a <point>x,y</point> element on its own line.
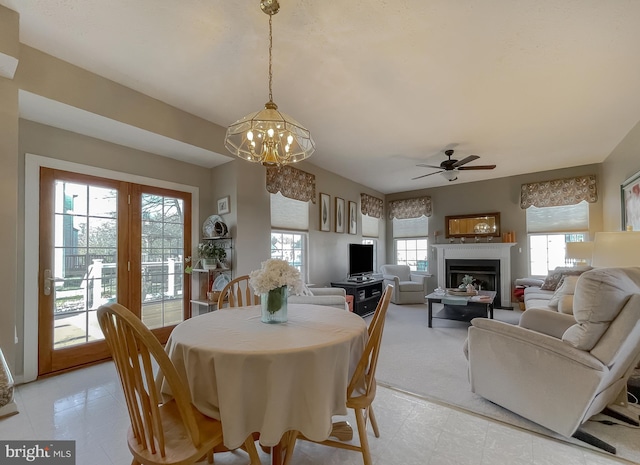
<point>529,85</point>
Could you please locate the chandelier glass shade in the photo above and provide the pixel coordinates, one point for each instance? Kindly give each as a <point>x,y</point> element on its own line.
<point>269,136</point>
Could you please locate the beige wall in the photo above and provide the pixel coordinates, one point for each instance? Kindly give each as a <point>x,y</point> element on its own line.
<point>497,195</point>
<point>50,77</point>
<point>250,219</point>
<point>623,162</point>
<point>9,32</point>
<point>9,225</point>
<point>328,250</point>
<point>9,211</point>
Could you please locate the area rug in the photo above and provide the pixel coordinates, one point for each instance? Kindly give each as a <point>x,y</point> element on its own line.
<point>429,362</point>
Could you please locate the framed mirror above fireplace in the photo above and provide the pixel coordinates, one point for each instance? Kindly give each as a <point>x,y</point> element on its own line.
<point>474,225</point>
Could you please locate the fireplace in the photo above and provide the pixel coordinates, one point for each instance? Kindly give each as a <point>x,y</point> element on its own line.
<point>477,259</point>
<point>486,274</point>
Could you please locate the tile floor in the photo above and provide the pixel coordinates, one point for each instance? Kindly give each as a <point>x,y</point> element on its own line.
<point>87,405</point>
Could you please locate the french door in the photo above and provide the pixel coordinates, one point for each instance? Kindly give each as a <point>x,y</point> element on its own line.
<point>101,241</point>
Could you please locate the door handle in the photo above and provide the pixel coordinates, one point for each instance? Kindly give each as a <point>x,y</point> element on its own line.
<point>48,278</point>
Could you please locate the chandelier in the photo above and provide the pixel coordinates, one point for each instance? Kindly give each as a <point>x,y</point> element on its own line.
<point>269,136</point>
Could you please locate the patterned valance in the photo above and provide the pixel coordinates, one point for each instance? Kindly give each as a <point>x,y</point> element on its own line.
<point>371,206</point>
<point>569,191</point>
<point>292,182</point>
<point>410,208</point>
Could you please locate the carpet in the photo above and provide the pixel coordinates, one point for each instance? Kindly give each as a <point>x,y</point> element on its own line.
<point>429,362</point>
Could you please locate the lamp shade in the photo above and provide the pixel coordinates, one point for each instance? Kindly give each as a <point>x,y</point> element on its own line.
<point>581,251</point>
<point>616,249</point>
<point>450,175</point>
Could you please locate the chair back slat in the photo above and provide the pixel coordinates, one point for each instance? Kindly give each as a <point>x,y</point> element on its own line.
<point>364,374</point>
<point>135,349</point>
<point>238,293</point>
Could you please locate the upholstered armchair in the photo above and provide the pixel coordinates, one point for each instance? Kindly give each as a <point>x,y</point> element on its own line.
<point>408,288</point>
<point>558,369</point>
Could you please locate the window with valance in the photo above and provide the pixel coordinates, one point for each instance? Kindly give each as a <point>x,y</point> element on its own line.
<point>557,212</point>
<point>411,231</point>
<point>372,210</point>
<point>292,183</point>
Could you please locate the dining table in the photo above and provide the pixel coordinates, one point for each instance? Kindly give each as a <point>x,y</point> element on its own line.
<point>265,378</point>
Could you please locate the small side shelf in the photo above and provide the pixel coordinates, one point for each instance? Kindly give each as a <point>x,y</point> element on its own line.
<point>366,294</point>
<point>203,279</point>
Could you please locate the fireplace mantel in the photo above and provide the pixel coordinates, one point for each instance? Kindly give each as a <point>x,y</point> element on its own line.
<point>479,251</point>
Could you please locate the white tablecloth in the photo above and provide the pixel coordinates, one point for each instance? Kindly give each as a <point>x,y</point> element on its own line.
<point>269,378</point>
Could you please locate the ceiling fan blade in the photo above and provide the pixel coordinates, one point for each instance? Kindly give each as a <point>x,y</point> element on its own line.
<point>478,167</point>
<point>429,166</point>
<point>425,175</point>
<point>465,160</point>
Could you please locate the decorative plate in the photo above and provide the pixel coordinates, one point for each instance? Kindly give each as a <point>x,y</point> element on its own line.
<point>214,227</point>
<point>220,282</point>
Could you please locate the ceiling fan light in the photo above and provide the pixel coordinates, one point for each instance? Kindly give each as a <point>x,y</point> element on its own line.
<point>450,175</point>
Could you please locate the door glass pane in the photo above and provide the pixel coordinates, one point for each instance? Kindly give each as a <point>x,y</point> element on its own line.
<point>162,260</point>
<point>85,238</point>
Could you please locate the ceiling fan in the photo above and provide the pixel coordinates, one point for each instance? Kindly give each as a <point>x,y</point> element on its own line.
<point>449,168</point>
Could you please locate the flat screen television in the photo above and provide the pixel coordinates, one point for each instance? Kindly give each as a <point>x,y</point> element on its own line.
<point>360,260</point>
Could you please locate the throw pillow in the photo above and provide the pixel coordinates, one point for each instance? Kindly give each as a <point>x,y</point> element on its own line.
<point>567,287</point>
<point>552,281</point>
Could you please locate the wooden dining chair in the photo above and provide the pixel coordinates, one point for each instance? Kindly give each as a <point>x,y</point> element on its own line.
<point>168,433</point>
<point>238,293</point>
<point>362,388</point>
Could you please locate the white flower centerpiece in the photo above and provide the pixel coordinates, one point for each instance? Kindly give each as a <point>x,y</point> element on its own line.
<point>272,282</point>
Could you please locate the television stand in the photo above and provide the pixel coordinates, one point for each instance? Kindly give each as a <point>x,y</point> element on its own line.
<point>359,279</point>
<point>366,294</point>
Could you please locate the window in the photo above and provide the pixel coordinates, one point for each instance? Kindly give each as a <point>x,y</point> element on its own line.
<point>549,229</point>
<point>289,226</point>
<point>290,246</point>
<point>373,242</point>
<point>410,242</point>
<point>546,251</point>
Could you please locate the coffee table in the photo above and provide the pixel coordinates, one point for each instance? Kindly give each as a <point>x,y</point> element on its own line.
<point>462,307</point>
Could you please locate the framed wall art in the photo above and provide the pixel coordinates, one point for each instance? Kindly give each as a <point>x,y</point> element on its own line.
<point>630,193</point>
<point>353,222</point>
<point>340,215</point>
<point>325,212</point>
<point>224,206</point>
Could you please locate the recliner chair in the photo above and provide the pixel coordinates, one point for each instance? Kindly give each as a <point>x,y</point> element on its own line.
<point>559,370</point>
<point>408,288</point>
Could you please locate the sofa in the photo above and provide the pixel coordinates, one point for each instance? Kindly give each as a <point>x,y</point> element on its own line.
<point>556,369</point>
<point>554,293</point>
<point>329,296</point>
<point>408,287</point>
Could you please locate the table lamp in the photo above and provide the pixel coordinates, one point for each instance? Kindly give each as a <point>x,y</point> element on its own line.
<point>581,252</point>
<point>616,249</point>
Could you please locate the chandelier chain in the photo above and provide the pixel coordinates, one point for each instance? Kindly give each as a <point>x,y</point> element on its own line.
<point>270,47</point>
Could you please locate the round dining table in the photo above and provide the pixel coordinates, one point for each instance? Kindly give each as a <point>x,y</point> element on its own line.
<point>269,378</point>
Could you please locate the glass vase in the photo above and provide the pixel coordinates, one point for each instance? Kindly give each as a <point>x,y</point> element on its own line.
<point>274,305</point>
